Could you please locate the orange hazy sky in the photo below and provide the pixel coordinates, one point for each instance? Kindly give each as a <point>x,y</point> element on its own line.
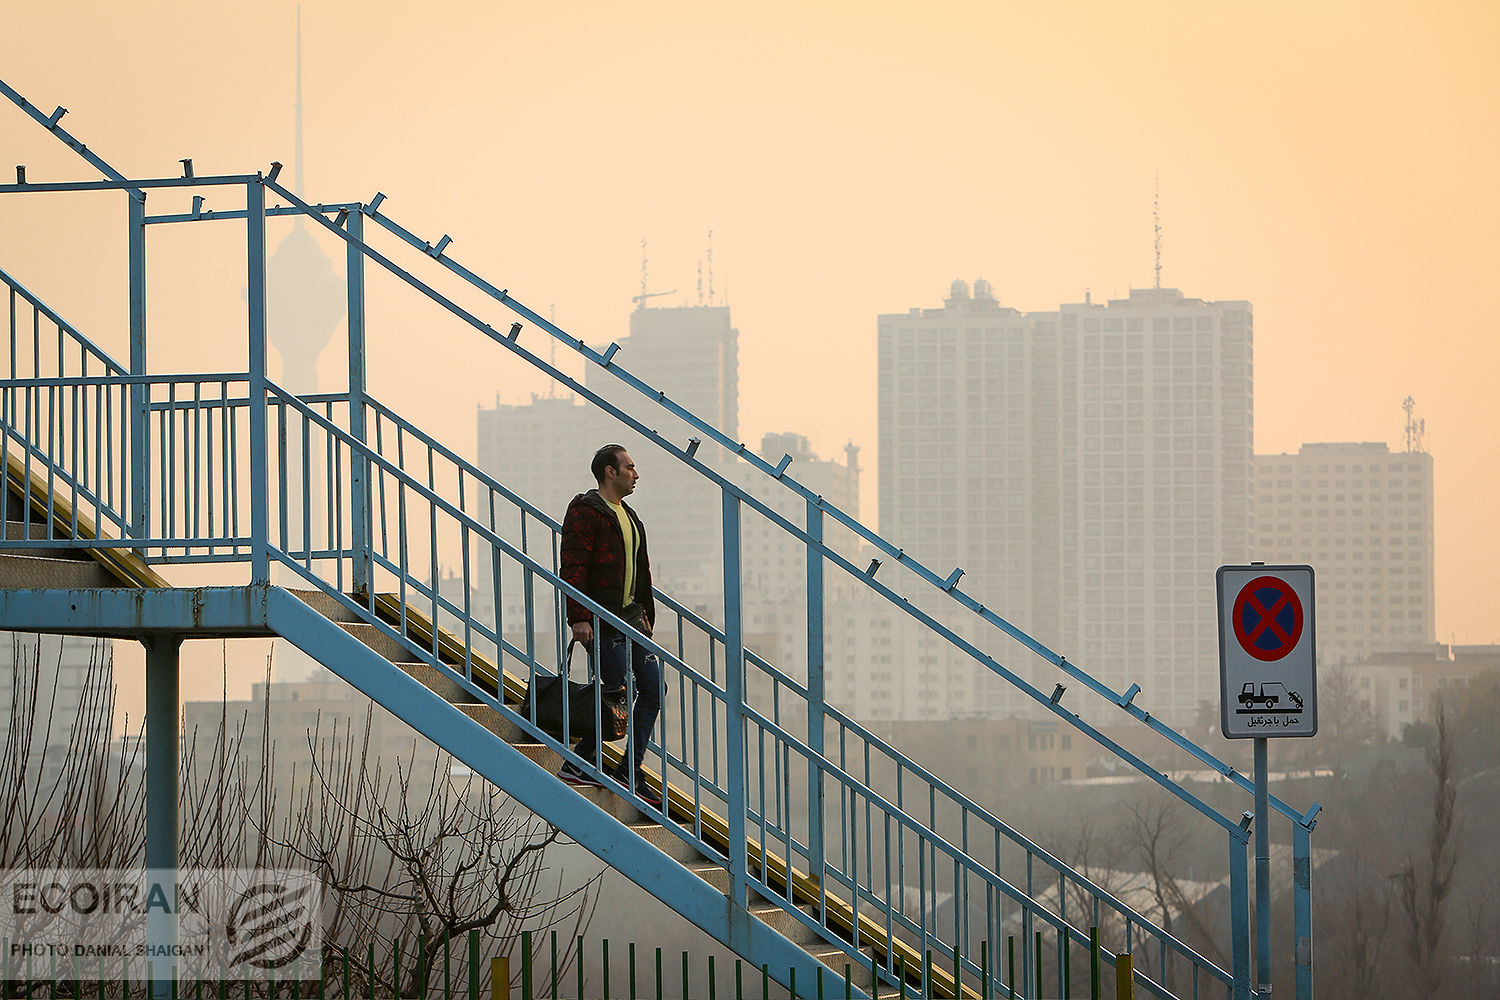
<point>1334,163</point>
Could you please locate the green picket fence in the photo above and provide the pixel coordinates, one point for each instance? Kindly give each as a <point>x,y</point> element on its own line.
<point>465,973</point>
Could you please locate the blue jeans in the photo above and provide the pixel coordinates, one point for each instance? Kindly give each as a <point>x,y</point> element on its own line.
<point>647,671</point>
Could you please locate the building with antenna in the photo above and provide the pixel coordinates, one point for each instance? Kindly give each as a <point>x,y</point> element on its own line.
<point>305,299</point>
<point>1362,516</point>
<point>691,353</point>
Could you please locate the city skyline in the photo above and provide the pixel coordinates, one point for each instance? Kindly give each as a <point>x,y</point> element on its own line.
<point>786,134</point>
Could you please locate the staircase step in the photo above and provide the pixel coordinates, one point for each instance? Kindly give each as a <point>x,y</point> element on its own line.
<point>713,873</point>
<point>326,605</point>
<point>610,802</point>
<point>670,844</point>
<point>378,641</point>
<point>489,718</point>
<point>47,573</point>
<point>785,924</point>
<point>439,682</point>
<point>541,755</point>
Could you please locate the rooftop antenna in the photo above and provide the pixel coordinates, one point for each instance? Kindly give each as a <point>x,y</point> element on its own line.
<point>299,181</point>
<point>700,282</point>
<point>1156,225</point>
<point>710,267</point>
<point>640,300</point>
<point>1409,404</point>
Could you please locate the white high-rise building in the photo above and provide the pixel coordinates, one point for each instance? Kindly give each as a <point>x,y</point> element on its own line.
<point>692,354</point>
<point>1362,517</point>
<point>1088,468</point>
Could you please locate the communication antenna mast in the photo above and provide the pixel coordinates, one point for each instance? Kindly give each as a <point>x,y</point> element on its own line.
<point>299,178</point>
<point>1156,225</point>
<point>1416,429</point>
<point>640,300</point>
<point>700,282</point>
<point>710,267</point>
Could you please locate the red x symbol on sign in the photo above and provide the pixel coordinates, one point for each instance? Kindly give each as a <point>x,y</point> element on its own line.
<point>1268,617</point>
<point>1249,604</point>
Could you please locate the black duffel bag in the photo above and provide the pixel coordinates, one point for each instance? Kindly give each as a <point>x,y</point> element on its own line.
<point>547,701</point>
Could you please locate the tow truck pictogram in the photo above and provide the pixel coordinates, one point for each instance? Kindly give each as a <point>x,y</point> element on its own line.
<point>1270,695</point>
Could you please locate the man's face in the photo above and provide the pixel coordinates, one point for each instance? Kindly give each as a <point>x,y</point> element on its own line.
<point>625,476</point>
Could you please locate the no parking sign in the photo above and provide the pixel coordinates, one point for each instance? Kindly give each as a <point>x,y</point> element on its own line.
<point>1267,662</point>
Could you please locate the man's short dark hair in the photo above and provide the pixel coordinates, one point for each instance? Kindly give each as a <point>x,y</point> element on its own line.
<point>607,457</point>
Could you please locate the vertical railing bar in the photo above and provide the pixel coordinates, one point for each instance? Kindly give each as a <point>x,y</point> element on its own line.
<point>26,436</point>
<point>1028,927</point>
<point>88,456</point>
<point>198,457</point>
<point>331,492</point>
<point>713,720</point>
<point>79,462</point>
<point>385,544</point>
<point>468,618</point>
<point>924,935</point>
<point>495,585</point>
<point>337,511</point>
<point>528,595</point>
<point>52,463</point>
<point>304,470</point>
<point>437,570</point>
<point>169,472</point>
<point>108,437</point>
<point>283,457</point>
<point>209,479</point>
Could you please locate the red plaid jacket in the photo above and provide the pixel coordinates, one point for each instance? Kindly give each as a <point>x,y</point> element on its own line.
<point>593,556</point>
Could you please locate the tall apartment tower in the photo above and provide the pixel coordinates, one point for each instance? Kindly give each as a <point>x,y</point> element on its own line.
<point>1362,516</point>
<point>1157,429</point>
<point>969,469</point>
<point>692,354</point>
<point>1088,467</point>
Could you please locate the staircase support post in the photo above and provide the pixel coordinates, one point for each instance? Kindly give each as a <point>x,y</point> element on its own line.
<point>815,693</point>
<point>139,393</point>
<point>359,469</point>
<point>162,752</point>
<point>255,295</point>
<point>734,686</point>
<point>1302,908</point>
<point>1239,917</point>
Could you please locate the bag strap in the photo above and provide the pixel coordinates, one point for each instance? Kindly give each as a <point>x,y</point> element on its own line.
<point>567,664</point>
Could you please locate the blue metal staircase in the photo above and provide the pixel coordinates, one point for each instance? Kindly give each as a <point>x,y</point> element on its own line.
<point>789,832</point>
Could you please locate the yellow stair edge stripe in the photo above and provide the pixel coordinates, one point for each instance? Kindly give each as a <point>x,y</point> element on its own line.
<point>123,564</point>
<point>681,807</point>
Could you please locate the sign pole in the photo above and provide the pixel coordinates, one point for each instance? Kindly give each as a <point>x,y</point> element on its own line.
<point>1262,873</point>
<point>1268,687</point>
